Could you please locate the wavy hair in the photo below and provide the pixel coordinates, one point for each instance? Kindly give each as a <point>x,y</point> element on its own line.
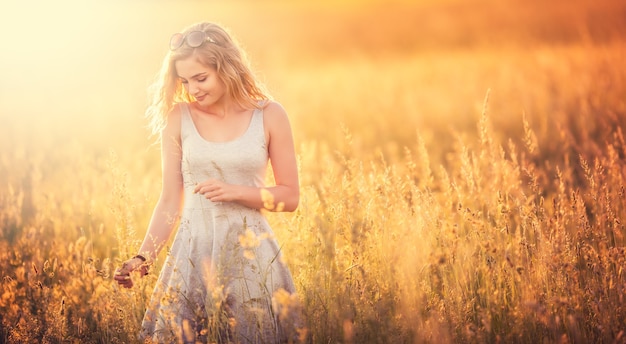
<point>222,53</point>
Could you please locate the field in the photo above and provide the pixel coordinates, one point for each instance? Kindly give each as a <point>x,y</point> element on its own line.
<point>462,165</point>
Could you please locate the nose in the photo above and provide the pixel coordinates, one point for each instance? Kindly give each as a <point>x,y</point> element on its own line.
<point>193,88</point>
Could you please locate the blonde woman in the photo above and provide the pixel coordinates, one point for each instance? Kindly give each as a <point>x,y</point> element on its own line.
<point>218,130</point>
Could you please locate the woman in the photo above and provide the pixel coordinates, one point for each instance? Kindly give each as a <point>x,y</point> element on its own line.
<point>218,130</point>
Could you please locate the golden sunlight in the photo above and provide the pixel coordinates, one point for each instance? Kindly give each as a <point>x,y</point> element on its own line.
<point>60,56</point>
<point>427,213</point>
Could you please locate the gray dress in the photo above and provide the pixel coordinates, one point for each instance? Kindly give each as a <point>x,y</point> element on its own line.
<point>224,266</point>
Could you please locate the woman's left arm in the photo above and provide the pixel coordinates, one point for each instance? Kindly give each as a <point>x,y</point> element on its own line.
<point>282,157</point>
<point>286,193</point>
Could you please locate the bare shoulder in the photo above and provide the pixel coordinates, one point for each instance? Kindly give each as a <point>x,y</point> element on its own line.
<point>172,124</point>
<point>175,114</point>
<point>276,123</point>
<point>274,108</point>
<point>274,114</point>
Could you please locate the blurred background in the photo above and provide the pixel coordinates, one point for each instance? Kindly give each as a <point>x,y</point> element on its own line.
<point>78,70</point>
<point>461,164</point>
<point>363,78</point>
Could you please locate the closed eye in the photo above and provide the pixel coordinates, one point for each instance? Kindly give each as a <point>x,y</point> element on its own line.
<point>201,77</point>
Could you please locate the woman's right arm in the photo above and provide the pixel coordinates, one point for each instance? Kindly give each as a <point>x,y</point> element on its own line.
<point>167,210</point>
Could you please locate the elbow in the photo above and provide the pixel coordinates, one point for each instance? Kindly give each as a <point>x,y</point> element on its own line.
<point>292,204</point>
<point>288,201</point>
<point>283,199</point>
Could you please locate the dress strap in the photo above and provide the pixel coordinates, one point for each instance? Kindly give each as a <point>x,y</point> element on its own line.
<point>186,125</point>
<point>257,121</point>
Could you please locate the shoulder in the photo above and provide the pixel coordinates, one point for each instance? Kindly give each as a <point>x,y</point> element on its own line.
<point>173,118</point>
<point>276,122</point>
<point>274,114</point>
<point>173,121</point>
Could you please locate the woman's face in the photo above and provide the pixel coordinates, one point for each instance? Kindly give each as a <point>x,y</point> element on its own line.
<point>200,81</point>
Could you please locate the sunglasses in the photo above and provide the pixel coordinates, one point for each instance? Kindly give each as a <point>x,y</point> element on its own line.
<point>194,39</point>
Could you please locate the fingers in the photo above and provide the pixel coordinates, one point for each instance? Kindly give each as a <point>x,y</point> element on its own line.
<point>212,195</point>
<point>123,278</point>
<point>143,269</point>
<point>122,274</point>
<point>211,190</point>
<point>206,187</point>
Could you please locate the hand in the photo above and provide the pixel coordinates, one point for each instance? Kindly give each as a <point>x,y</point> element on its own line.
<point>216,191</point>
<point>122,274</point>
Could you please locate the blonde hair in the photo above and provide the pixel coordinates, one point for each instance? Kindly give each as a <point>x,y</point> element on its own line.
<point>220,52</point>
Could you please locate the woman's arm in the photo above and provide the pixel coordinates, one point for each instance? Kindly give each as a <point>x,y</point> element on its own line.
<point>286,192</point>
<point>167,210</point>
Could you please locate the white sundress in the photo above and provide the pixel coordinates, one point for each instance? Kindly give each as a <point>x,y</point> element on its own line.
<point>224,266</point>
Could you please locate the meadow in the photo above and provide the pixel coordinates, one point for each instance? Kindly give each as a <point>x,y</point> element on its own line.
<point>462,166</point>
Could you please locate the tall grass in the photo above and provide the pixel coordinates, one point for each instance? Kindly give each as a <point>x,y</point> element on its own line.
<point>447,196</point>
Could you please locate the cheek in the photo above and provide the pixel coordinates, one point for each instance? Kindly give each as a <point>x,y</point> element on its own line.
<point>219,84</point>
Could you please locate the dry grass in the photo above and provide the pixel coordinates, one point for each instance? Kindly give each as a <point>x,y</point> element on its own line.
<point>453,194</point>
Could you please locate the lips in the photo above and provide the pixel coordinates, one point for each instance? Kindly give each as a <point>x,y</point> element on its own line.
<point>200,98</point>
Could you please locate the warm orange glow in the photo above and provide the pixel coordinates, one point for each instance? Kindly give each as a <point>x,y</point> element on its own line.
<point>428,213</point>
<point>61,58</point>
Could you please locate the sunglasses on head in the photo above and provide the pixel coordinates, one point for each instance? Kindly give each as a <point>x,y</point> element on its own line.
<point>193,39</point>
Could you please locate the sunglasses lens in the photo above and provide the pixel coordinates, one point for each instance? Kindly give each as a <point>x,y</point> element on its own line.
<point>176,41</point>
<point>196,38</point>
